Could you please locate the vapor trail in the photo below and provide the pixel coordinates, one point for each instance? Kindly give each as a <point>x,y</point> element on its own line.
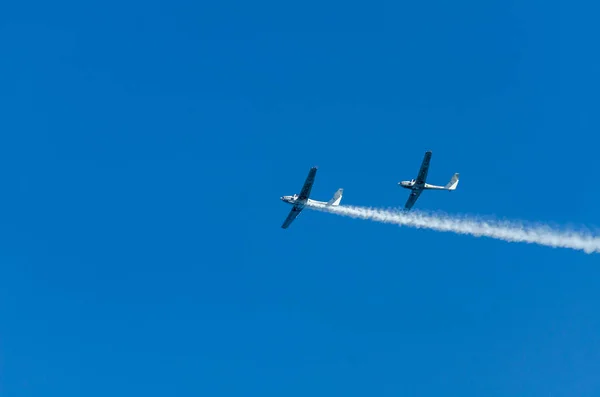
<point>510,231</point>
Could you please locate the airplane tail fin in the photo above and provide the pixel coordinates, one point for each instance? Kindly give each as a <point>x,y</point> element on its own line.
<point>453,182</point>
<point>337,197</point>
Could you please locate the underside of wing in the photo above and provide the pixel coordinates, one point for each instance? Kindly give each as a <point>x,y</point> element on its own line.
<point>414,195</point>
<point>292,215</point>
<point>422,177</point>
<point>310,179</point>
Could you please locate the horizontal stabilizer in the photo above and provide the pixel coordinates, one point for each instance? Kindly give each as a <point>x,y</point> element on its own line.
<point>453,182</point>
<point>337,197</point>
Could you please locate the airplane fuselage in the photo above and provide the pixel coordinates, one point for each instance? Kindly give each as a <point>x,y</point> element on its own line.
<point>293,200</point>
<point>412,185</point>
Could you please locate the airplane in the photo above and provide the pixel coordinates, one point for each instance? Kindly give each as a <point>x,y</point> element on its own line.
<point>299,201</point>
<point>418,185</point>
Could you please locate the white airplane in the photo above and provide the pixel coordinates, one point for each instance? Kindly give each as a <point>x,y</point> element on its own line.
<point>301,200</point>
<point>418,185</point>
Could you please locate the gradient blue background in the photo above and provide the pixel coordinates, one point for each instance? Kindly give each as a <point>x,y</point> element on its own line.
<point>144,146</point>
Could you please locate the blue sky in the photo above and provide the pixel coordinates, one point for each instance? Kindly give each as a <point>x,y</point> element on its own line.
<point>144,148</point>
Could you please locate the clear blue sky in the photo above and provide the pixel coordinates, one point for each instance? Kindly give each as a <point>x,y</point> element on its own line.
<point>144,146</point>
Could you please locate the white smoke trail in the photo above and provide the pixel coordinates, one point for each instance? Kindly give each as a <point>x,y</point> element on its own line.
<point>503,230</point>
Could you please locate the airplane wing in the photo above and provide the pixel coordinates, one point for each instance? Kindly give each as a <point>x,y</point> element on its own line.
<point>414,195</point>
<point>422,177</point>
<point>293,214</point>
<point>310,179</point>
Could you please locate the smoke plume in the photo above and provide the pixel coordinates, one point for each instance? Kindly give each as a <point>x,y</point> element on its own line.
<point>509,231</point>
